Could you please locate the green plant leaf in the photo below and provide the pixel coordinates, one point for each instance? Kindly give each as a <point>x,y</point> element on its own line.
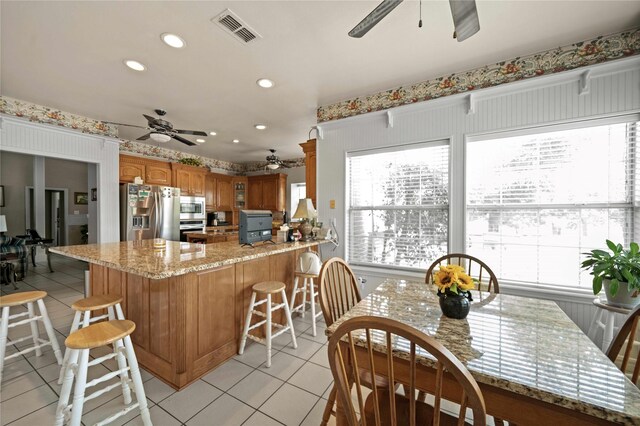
<point>588,263</point>
<point>613,288</point>
<point>627,275</point>
<point>634,249</point>
<point>600,267</point>
<point>600,253</point>
<point>612,246</point>
<point>597,285</point>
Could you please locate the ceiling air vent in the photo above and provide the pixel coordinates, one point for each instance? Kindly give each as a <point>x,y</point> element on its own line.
<point>232,24</point>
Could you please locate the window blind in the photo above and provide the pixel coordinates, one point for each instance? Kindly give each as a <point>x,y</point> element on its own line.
<point>398,205</point>
<point>535,203</point>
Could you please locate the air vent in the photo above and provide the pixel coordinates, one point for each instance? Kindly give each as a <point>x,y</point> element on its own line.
<point>232,24</point>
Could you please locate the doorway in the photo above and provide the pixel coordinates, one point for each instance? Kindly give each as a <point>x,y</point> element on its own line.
<point>55,214</point>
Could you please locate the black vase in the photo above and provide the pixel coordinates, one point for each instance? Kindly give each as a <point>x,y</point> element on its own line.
<point>454,305</point>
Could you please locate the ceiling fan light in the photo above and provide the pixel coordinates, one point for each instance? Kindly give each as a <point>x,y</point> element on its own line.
<point>273,166</point>
<point>212,133</point>
<point>160,137</point>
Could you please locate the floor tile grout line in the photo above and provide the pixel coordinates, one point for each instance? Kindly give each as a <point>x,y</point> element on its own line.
<point>214,400</point>
<point>31,412</point>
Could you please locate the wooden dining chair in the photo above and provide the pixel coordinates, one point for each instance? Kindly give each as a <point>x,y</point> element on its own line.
<point>338,289</point>
<point>628,338</point>
<point>369,343</point>
<point>474,267</point>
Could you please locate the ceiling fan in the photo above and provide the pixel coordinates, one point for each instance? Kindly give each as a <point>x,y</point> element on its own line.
<point>274,162</point>
<point>162,130</point>
<point>465,18</point>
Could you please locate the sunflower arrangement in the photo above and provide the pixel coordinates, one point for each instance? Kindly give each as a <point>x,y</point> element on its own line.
<point>453,279</point>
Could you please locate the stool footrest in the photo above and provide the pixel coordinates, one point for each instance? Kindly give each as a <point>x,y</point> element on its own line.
<point>120,413</point>
<point>102,359</point>
<point>26,321</point>
<point>284,329</point>
<point>23,314</point>
<point>106,377</point>
<point>98,318</point>
<point>256,325</point>
<point>256,338</point>
<point>100,392</point>
<point>22,339</point>
<point>260,302</point>
<point>42,344</point>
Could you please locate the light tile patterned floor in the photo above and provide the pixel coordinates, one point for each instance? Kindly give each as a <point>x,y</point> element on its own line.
<point>243,391</point>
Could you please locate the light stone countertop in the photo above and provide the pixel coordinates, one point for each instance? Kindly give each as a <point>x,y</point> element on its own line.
<point>523,345</point>
<point>141,258</point>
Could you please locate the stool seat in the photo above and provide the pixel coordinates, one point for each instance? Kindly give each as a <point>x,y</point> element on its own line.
<point>269,287</point>
<point>101,334</point>
<point>604,305</point>
<point>305,275</point>
<point>94,303</point>
<point>21,298</point>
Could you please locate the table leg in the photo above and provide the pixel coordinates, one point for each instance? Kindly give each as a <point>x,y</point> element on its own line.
<point>11,275</point>
<point>46,251</point>
<point>33,255</point>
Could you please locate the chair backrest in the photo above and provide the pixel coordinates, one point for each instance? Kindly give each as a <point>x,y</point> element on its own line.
<point>366,343</point>
<point>628,338</point>
<point>474,267</point>
<point>309,263</point>
<point>338,289</point>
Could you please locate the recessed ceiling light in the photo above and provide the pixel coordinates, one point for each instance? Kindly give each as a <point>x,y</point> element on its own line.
<point>173,40</point>
<point>260,126</point>
<point>265,82</point>
<point>212,133</point>
<point>200,140</point>
<point>134,65</point>
<point>236,141</point>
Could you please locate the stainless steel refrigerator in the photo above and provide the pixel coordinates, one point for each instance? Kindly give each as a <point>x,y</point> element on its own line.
<point>149,211</point>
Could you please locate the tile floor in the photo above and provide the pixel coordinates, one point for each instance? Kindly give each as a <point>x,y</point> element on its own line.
<point>243,391</point>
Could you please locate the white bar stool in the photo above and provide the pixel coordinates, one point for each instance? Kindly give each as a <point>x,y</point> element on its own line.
<point>605,319</point>
<point>79,344</point>
<point>22,298</point>
<point>267,288</point>
<point>309,265</point>
<point>84,308</point>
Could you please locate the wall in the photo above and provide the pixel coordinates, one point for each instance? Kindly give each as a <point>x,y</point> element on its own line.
<point>16,172</point>
<point>607,90</point>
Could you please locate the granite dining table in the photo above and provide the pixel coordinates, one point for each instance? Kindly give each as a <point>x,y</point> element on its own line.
<point>531,361</point>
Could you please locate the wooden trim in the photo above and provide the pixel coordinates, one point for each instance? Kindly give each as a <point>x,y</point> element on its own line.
<point>144,160</point>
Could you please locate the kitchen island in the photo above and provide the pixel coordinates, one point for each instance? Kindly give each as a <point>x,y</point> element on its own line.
<point>188,300</point>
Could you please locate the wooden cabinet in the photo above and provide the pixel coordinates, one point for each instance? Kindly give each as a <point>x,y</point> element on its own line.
<point>158,174</point>
<point>267,192</point>
<point>210,190</point>
<point>190,180</point>
<point>218,192</point>
<point>309,148</point>
<point>131,167</point>
<point>153,172</point>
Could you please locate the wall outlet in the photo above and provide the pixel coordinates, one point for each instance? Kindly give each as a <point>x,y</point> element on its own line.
<point>332,204</point>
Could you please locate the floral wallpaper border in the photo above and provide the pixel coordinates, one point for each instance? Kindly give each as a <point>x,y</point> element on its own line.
<point>584,53</point>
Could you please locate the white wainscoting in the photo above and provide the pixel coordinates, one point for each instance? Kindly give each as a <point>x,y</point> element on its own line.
<point>21,136</point>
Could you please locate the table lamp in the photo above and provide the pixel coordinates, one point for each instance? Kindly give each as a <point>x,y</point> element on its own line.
<point>3,224</point>
<point>305,211</point>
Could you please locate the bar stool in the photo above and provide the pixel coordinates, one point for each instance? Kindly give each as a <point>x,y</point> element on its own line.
<point>84,308</point>
<point>78,345</point>
<point>22,298</point>
<point>605,319</point>
<point>309,265</point>
<point>267,288</point>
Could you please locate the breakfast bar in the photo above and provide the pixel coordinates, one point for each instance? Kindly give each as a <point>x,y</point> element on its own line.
<point>188,300</point>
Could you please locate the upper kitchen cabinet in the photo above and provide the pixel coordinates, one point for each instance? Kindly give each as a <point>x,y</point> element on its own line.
<point>190,180</point>
<point>131,167</point>
<point>158,174</point>
<point>219,192</point>
<point>153,172</point>
<point>210,190</point>
<point>267,192</point>
<point>309,148</point>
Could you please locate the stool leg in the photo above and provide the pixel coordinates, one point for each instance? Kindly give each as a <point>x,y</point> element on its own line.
<point>608,331</point>
<point>50,332</point>
<point>4,331</point>
<point>268,327</point>
<point>312,296</point>
<point>34,329</point>
<point>304,296</point>
<point>67,383</point>
<point>119,313</point>
<point>78,390</point>
<point>292,304</point>
<point>247,323</point>
<point>137,382</point>
<point>65,360</point>
<point>593,328</point>
<point>46,251</point>
<point>287,313</point>
<point>124,377</point>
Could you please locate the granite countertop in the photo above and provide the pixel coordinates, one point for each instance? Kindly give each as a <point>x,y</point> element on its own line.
<point>176,258</point>
<point>523,345</point>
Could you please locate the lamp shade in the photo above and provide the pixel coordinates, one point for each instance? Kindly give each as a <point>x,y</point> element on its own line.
<point>305,209</point>
<point>3,223</point>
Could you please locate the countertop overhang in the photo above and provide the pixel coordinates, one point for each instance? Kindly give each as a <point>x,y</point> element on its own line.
<point>176,258</point>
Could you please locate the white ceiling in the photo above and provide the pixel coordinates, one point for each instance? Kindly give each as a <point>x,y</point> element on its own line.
<point>68,55</point>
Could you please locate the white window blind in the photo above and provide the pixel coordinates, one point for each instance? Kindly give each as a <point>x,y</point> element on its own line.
<point>535,203</point>
<point>398,205</point>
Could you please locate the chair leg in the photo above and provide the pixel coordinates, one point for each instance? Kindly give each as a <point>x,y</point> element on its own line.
<point>287,314</point>
<point>268,328</point>
<point>312,296</point>
<point>4,331</point>
<point>328,409</point>
<point>137,382</point>
<point>50,332</point>
<point>78,391</point>
<point>65,360</point>
<point>34,329</point>
<point>67,383</point>
<point>247,323</point>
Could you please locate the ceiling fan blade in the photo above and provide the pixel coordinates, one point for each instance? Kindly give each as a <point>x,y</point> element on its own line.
<point>190,132</point>
<point>149,118</point>
<point>374,17</point>
<point>144,138</point>
<point>123,124</point>
<point>465,18</point>
<point>183,140</point>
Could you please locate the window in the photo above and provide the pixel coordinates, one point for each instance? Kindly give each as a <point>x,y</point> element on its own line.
<point>398,205</point>
<point>298,191</point>
<point>536,202</point>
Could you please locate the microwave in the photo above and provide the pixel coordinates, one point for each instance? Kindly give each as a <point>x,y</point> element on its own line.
<point>192,208</point>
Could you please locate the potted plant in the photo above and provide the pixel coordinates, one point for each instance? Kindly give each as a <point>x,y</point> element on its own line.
<point>618,272</point>
<point>453,289</point>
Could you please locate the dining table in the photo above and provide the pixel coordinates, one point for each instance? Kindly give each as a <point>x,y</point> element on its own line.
<point>533,364</point>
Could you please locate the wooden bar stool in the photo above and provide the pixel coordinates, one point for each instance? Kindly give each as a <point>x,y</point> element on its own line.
<point>267,288</point>
<point>26,298</point>
<point>79,343</point>
<point>84,308</point>
<point>309,265</point>
<point>605,319</point>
